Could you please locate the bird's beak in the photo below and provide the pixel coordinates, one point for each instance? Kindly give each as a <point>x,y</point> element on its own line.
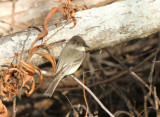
<point>85,45</point>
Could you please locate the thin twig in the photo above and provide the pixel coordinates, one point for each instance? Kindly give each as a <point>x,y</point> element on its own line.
<point>14,107</point>
<point>156,99</point>
<point>143,110</point>
<point>93,95</point>
<point>131,72</point>
<point>150,79</point>
<point>84,93</point>
<point>68,101</point>
<point>145,105</point>
<point>55,33</point>
<point>84,108</point>
<point>139,79</point>
<point>18,26</point>
<point>118,113</point>
<point>116,88</point>
<point>13,13</point>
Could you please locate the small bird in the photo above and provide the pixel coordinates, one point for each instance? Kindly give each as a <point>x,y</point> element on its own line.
<point>70,60</point>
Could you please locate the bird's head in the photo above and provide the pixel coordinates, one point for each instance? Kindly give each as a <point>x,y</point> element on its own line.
<point>78,43</point>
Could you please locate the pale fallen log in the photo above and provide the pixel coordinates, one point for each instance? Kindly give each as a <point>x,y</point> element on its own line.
<point>100,27</point>
<point>33,12</point>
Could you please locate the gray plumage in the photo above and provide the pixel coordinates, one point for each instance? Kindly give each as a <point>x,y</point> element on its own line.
<point>70,60</point>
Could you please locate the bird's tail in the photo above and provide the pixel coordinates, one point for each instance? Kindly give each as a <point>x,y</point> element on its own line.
<point>49,92</point>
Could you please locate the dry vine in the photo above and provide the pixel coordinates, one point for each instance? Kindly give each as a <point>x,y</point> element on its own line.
<point>20,73</point>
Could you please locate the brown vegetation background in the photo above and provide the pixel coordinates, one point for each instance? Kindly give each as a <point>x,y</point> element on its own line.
<point>125,77</point>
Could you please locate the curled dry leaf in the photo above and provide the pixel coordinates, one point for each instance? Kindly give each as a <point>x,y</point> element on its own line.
<point>33,50</point>
<point>32,86</point>
<point>28,67</point>
<point>17,77</point>
<point>44,32</point>
<point>21,76</point>
<point>69,10</point>
<point>9,81</point>
<point>51,59</point>
<point>3,110</point>
<point>40,76</point>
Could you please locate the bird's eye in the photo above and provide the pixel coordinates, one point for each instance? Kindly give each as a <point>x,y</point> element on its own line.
<point>78,44</point>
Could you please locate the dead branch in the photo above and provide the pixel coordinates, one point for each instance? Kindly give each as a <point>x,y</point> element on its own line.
<point>100,27</point>
<point>93,95</point>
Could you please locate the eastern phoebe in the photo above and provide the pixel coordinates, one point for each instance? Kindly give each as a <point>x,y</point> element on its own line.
<point>70,59</point>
